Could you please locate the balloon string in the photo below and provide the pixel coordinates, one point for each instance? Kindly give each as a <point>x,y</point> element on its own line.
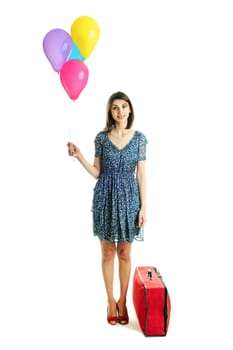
<point>70,140</point>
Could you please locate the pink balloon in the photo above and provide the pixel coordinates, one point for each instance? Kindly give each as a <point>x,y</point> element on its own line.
<point>74,76</point>
<point>57,45</point>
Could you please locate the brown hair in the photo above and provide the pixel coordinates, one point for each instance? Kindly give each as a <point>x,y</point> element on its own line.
<point>110,122</point>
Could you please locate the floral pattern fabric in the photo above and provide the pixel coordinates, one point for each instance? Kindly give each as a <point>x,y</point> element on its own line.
<point>116,200</point>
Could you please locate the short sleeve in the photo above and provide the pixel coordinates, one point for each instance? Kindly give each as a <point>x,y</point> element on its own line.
<point>99,144</point>
<point>142,147</point>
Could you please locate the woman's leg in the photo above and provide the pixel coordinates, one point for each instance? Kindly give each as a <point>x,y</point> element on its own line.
<point>124,258</point>
<point>108,250</point>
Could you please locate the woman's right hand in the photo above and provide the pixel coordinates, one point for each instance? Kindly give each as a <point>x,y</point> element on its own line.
<point>72,149</point>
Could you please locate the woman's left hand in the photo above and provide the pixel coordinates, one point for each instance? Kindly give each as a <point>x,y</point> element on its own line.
<point>141,218</point>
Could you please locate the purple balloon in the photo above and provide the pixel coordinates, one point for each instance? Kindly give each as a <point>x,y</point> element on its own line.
<point>57,45</point>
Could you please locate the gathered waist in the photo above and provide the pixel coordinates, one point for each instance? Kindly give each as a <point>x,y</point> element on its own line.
<point>118,173</point>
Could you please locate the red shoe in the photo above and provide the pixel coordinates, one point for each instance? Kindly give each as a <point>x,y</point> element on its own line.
<point>112,319</point>
<point>123,319</point>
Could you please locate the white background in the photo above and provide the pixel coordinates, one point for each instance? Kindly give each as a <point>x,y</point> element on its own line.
<point>175,61</point>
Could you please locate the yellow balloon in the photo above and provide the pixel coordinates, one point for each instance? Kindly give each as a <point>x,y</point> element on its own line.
<point>85,33</point>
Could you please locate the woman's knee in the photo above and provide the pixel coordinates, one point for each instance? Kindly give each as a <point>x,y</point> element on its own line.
<point>108,250</point>
<point>124,251</point>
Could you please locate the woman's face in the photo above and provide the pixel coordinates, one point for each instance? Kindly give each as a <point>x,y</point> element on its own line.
<point>120,111</point>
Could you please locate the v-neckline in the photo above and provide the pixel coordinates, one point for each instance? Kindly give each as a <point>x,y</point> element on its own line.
<point>121,149</point>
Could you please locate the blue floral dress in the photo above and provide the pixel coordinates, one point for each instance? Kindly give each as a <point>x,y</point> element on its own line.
<point>116,200</point>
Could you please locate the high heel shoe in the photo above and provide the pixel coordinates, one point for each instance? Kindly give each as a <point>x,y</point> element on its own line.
<point>123,319</point>
<point>112,320</point>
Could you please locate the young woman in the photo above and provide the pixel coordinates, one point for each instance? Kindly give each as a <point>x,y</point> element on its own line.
<point>119,200</point>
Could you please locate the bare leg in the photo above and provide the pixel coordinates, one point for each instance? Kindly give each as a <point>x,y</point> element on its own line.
<point>124,257</point>
<point>108,250</point>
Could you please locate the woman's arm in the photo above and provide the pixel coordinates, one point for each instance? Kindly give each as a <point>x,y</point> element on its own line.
<point>141,179</point>
<point>94,169</point>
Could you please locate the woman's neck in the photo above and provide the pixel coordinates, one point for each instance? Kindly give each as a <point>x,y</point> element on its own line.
<point>120,130</point>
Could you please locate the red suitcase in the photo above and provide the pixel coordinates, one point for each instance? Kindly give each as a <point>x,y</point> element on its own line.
<point>151,301</point>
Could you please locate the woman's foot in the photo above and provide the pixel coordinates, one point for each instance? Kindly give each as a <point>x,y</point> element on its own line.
<point>112,314</point>
<point>123,317</point>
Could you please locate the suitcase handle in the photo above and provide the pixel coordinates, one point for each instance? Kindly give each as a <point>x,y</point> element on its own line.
<point>149,274</point>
